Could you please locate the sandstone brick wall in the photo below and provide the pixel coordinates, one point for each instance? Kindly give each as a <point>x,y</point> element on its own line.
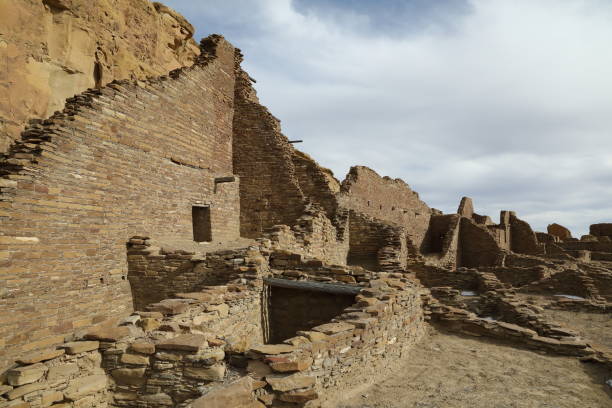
<point>386,199</point>
<point>129,160</point>
<point>156,274</point>
<point>477,246</point>
<point>313,235</point>
<point>270,193</point>
<point>523,239</point>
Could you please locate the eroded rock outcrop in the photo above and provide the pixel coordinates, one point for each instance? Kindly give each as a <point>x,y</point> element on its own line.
<point>53,49</point>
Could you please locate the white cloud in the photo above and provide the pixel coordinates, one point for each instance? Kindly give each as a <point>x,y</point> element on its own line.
<point>512,106</point>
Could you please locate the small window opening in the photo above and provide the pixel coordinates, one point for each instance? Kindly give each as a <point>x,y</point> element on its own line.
<point>202,228</point>
<point>368,203</point>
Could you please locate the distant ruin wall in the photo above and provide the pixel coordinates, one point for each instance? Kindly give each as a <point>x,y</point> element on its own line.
<point>386,199</point>
<point>130,160</point>
<point>523,239</point>
<point>477,246</point>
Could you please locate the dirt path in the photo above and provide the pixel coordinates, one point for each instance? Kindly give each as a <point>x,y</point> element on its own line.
<point>447,371</point>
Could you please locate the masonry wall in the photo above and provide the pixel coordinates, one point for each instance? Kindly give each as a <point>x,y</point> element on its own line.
<point>386,199</point>
<point>129,160</point>
<point>522,238</point>
<point>270,193</point>
<point>477,246</point>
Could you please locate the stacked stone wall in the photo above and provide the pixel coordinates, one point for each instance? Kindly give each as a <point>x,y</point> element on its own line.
<point>386,199</point>
<point>118,162</point>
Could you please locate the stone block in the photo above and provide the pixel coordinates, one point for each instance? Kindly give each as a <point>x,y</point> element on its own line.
<point>134,359</point>
<point>129,376</point>
<point>184,342</point>
<point>5,388</point>
<point>26,375</point>
<point>295,364</point>
<point>236,395</point>
<point>272,348</point>
<point>213,373</point>
<point>110,334</point>
<point>143,348</point>
<point>285,383</point>
<point>258,369</point>
<point>25,389</point>
<point>37,357</point>
<point>157,400</point>
<point>62,371</point>
<point>84,386</point>
<point>299,397</point>
<point>149,324</point>
<point>49,398</point>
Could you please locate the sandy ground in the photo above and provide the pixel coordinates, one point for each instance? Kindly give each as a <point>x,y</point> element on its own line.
<point>448,371</point>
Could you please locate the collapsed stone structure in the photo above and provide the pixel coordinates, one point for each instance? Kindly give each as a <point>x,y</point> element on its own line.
<point>164,245</point>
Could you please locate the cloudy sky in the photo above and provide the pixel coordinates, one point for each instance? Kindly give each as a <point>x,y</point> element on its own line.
<point>506,101</point>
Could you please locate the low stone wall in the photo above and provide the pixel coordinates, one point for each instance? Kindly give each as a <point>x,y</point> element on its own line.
<point>67,376</point>
<point>156,273</point>
<point>385,321</point>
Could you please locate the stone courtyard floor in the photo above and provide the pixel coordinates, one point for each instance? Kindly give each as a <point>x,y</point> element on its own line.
<point>449,371</point>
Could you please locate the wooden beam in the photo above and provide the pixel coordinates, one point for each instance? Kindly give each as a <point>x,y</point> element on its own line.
<point>333,288</point>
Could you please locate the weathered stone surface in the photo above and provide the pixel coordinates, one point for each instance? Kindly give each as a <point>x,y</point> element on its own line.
<point>313,335</point>
<point>25,389</point>
<point>5,388</point>
<point>295,364</point>
<point>149,324</point>
<point>236,395</point>
<point>159,399</point>
<point>290,382</point>
<point>134,359</point>
<point>143,348</point>
<point>299,396</point>
<point>62,371</point>
<point>40,356</point>
<point>333,328</point>
<point>83,386</point>
<point>258,369</point>
<point>185,342</point>
<point>111,334</point>
<point>169,307</point>
<point>130,376</point>
<point>49,398</point>
<point>273,348</point>
<point>213,373</point>
<point>77,347</point>
<point>25,375</point>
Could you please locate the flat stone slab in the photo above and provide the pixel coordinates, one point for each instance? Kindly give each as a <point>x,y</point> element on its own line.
<point>273,348</point>
<point>236,395</point>
<point>333,328</point>
<point>40,356</point>
<point>289,382</point>
<point>26,375</point>
<point>184,342</point>
<point>111,334</point>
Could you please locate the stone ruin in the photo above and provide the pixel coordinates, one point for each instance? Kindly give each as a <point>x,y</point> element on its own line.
<point>165,245</point>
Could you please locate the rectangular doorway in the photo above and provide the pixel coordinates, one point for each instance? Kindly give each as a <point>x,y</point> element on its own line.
<point>202,227</point>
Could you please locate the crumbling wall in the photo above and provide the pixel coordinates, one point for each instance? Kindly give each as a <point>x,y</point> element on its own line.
<point>389,200</point>
<point>130,159</point>
<point>477,246</point>
<point>601,230</point>
<point>523,239</point>
<point>441,243</point>
<point>270,193</point>
<point>313,235</point>
<point>374,245</point>
<point>155,274</point>
<point>53,49</point>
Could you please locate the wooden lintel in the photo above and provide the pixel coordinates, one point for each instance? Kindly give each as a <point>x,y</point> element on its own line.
<point>333,288</point>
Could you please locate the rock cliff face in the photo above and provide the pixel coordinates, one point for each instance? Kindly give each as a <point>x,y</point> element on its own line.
<point>54,49</point>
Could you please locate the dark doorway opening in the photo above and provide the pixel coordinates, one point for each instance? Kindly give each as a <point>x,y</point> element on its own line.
<point>202,227</point>
<point>292,310</point>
